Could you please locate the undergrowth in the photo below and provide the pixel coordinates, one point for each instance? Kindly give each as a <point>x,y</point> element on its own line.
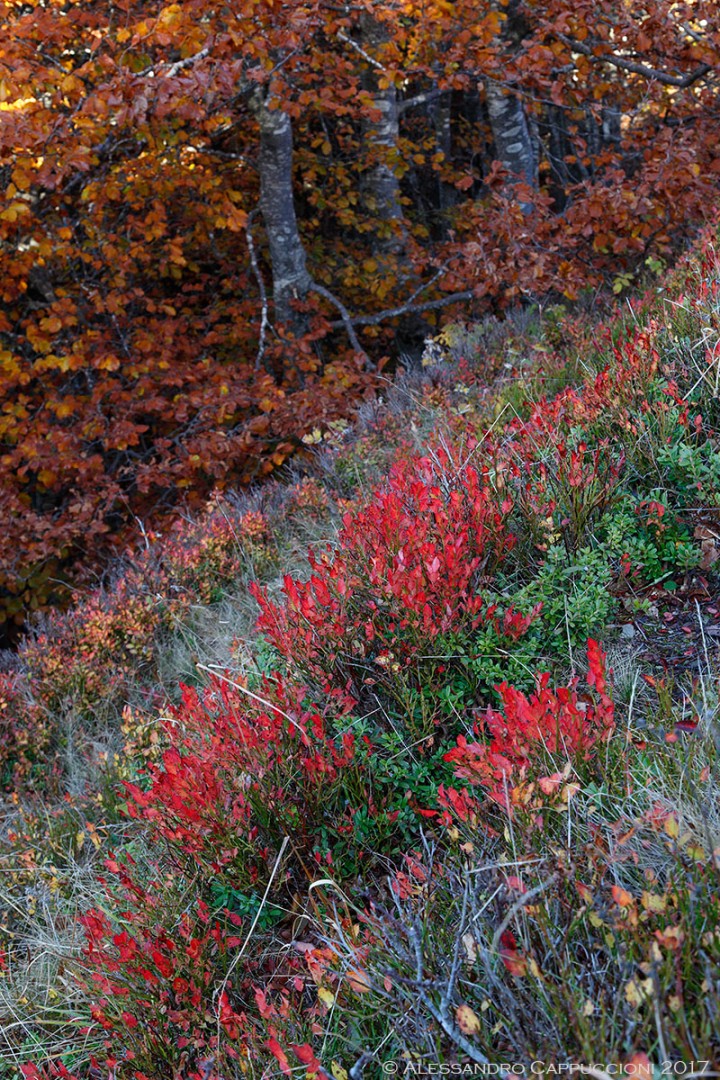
<point>403,810</point>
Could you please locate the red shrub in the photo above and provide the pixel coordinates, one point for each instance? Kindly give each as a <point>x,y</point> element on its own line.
<point>550,723</point>
<point>25,732</point>
<point>105,647</point>
<point>157,983</point>
<point>243,772</point>
<point>244,783</point>
<point>410,566</point>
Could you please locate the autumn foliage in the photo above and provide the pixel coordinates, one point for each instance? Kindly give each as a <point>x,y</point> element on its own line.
<point>408,809</point>
<point>556,722</point>
<point>152,344</point>
<point>409,569</point>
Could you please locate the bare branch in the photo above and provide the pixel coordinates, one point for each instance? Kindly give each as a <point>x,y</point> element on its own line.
<point>408,308</point>
<point>681,81</point>
<point>173,69</point>
<point>359,49</point>
<point>449,992</point>
<point>419,99</point>
<point>345,320</point>
<point>264,320</point>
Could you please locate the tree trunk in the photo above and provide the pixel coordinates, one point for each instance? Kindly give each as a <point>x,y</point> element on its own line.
<point>611,125</point>
<point>290,277</point>
<point>381,186</point>
<point>440,113</point>
<point>514,145</point>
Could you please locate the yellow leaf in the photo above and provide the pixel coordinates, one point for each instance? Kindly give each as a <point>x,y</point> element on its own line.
<point>637,990</point>
<point>14,211</point>
<point>653,902</point>
<point>122,35</point>
<point>534,969</point>
<point>70,83</point>
<point>338,1071</point>
<point>672,828</point>
<point>79,840</point>
<point>468,1022</point>
<point>170,15</point>
<point>51,325</point>
<point>326,996</point>
<point>21,179</point>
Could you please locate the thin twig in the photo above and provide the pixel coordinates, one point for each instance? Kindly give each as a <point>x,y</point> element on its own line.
<point>518,906</point>
<point>264,320</point>
<point>217,673</point>
<point>243,947</point>
<point>450,988</point>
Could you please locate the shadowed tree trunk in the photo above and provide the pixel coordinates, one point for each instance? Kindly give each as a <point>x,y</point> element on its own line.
<point>515,146</point>
<point>440,114</point>
<point>381,186</point>
<point>290,277</point>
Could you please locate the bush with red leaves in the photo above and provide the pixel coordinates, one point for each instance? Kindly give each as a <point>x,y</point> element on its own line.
<point>550,724</point>
<point>409,567</point>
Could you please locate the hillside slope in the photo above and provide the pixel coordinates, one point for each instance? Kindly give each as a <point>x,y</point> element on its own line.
<point>452,797</point>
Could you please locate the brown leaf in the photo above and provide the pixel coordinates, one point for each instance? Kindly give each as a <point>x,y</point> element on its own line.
<point>709,554</point>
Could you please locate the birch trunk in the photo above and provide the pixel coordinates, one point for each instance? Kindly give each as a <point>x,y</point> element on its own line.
<point>515,145</point>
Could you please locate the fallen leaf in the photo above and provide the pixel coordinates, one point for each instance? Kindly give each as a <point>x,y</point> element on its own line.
<point>468,1022</point>
<point>621,897</point>
<point>639,1066</point>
